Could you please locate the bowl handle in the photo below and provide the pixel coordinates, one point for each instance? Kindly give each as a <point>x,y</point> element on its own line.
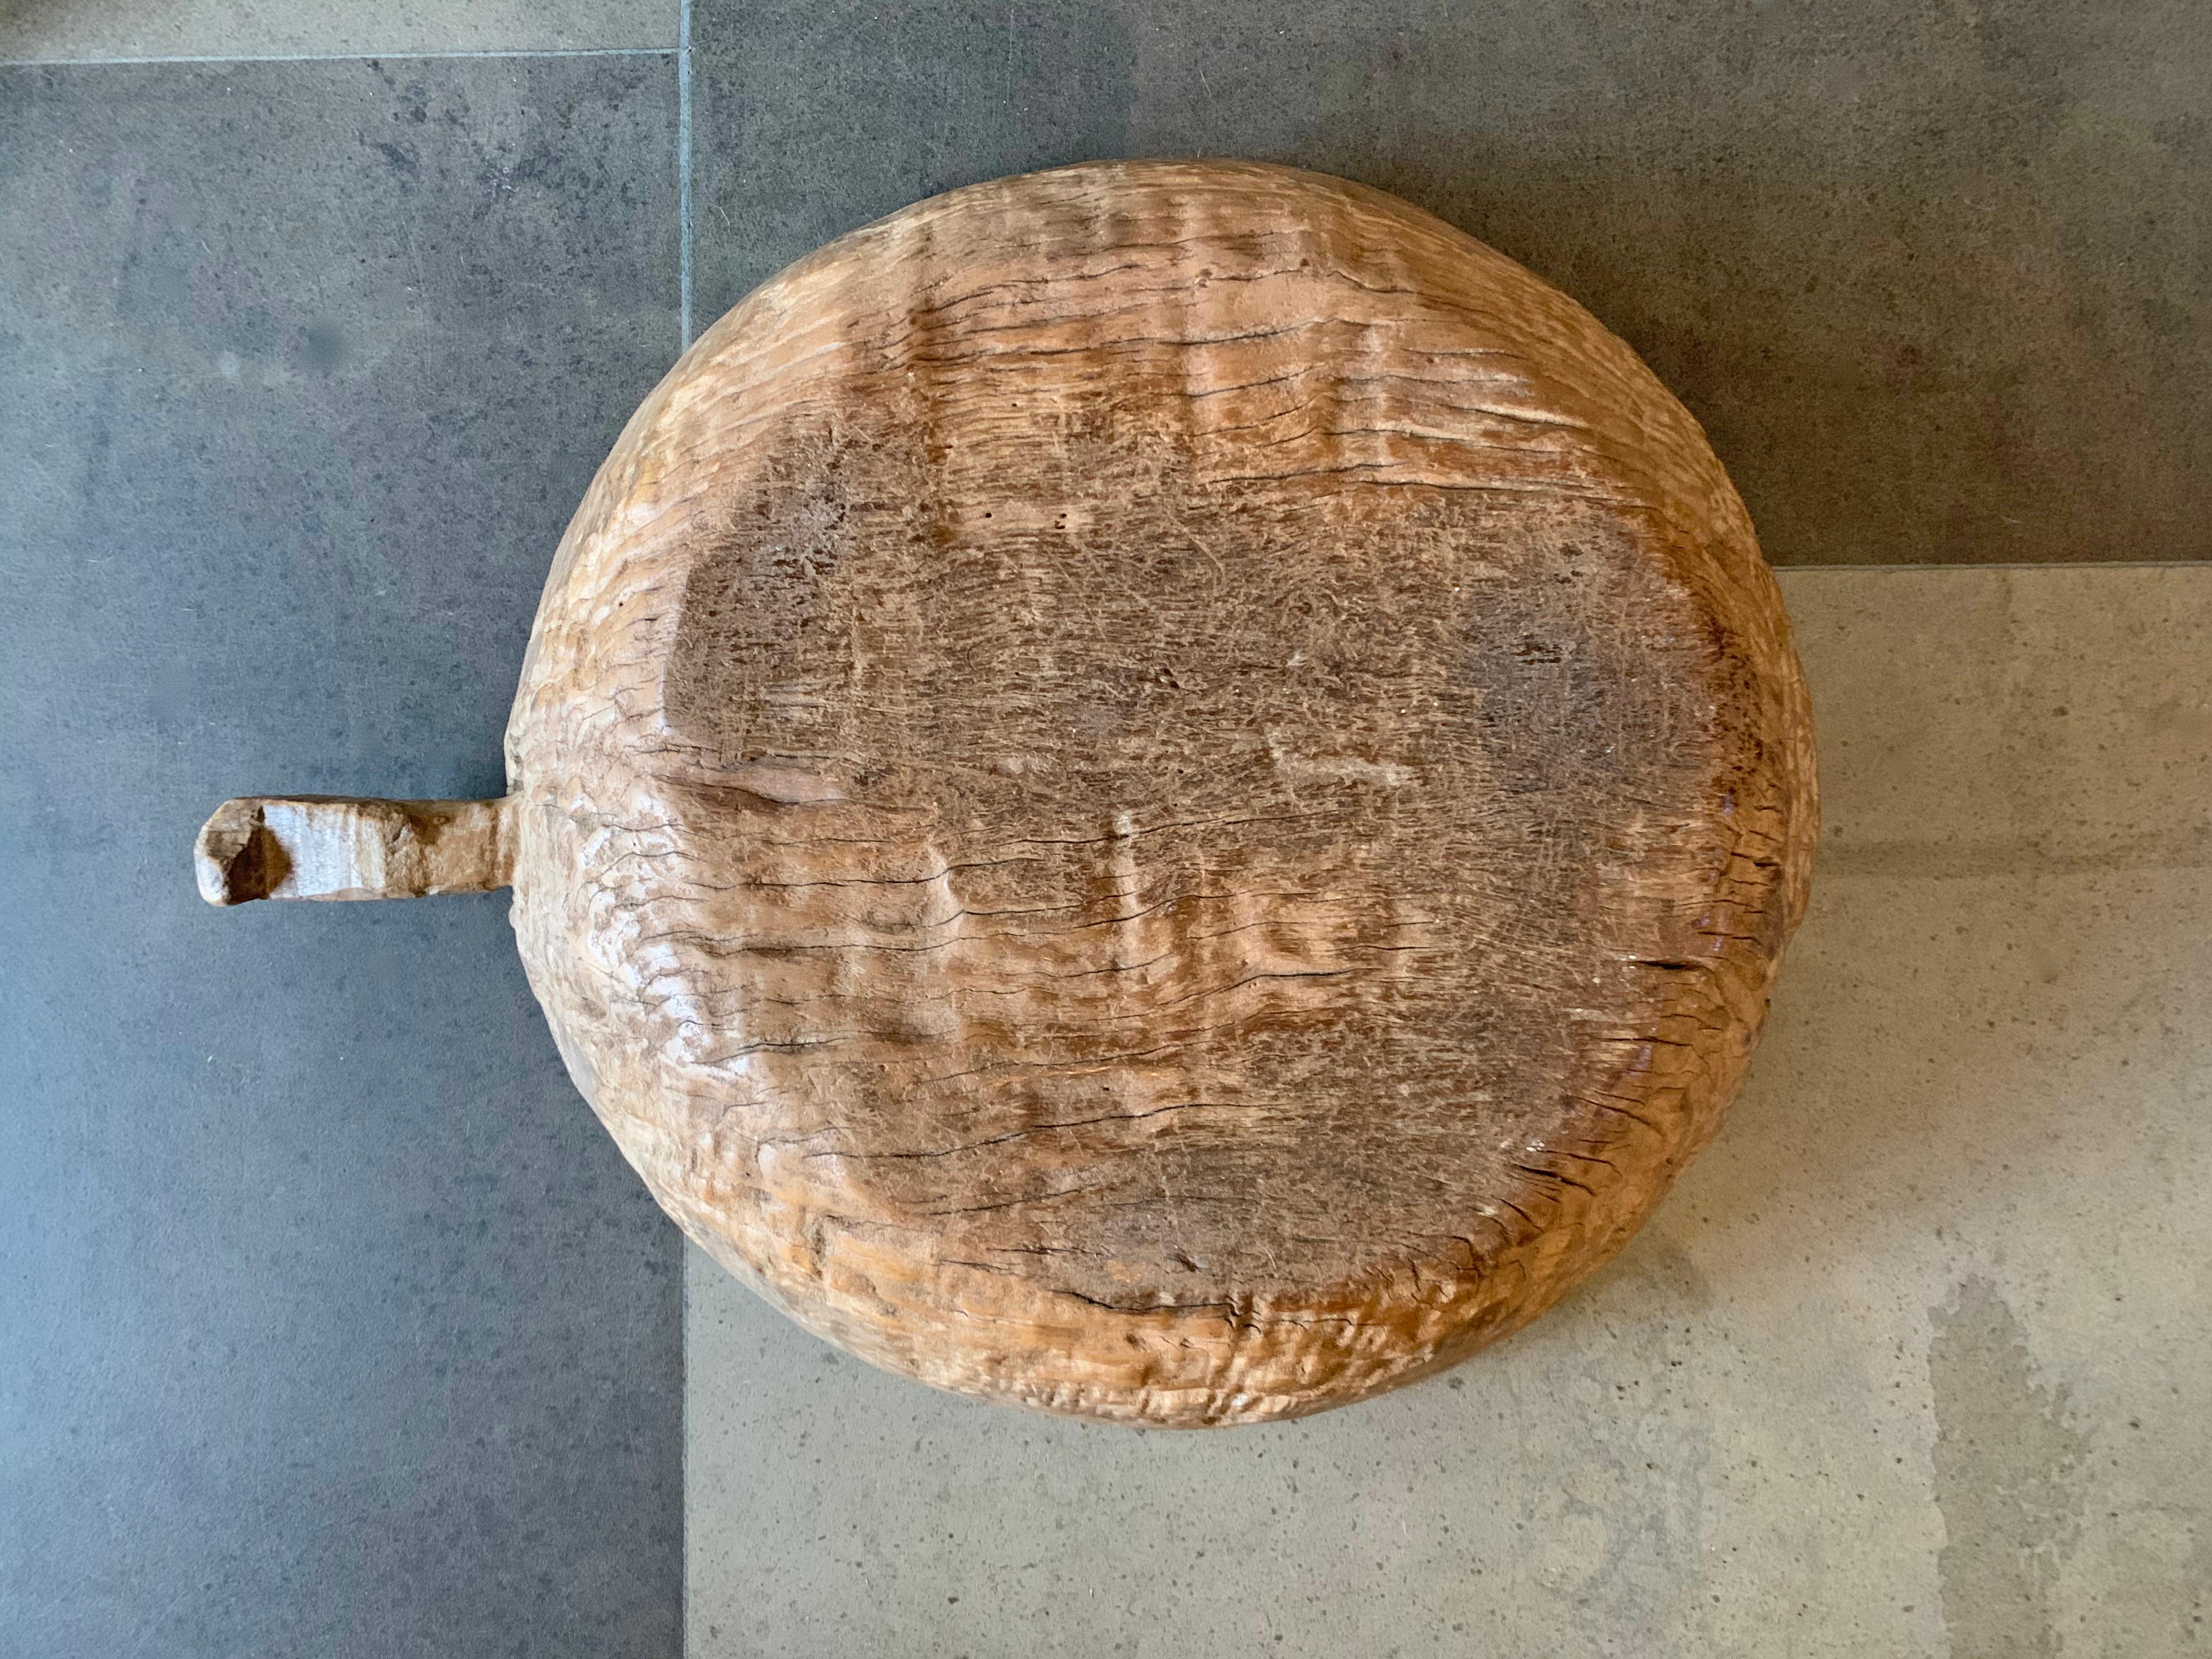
<point>332,847</point>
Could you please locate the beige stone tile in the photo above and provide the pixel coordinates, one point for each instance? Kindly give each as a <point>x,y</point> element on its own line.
<point>46,30</point>
<point>1978,721</point>
<point>1915,1361</point>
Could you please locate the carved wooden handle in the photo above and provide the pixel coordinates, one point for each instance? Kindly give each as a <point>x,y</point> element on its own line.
<point>329,847</point>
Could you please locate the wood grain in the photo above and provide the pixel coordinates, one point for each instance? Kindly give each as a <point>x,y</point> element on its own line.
<point>1166,791</point>
<point>337,846</point>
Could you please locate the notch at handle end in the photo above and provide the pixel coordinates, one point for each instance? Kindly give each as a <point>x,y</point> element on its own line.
<point>333,846</point>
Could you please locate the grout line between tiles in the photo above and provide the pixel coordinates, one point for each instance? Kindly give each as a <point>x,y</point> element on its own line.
<point>332,56</point>
<point>682,1252</point>
<point>684,168</point>
<point>2018,564</point>
<point>683,1456</point>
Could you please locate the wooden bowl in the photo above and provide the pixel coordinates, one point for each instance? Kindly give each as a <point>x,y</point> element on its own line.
<point>1167,791</point>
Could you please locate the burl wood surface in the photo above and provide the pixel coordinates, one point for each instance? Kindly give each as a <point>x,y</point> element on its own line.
<point>1163,791</point>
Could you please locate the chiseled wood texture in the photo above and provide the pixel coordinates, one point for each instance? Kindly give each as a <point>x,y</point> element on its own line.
<point>338,846</point>
<point>1165,791</point>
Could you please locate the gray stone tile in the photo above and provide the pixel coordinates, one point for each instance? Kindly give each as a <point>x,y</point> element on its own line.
<point>1914,1361</point>
<point>46,30</point>
<point>333,1321</point>
<point>1938,279</point>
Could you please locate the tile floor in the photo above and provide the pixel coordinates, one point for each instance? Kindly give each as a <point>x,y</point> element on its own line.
<point>337,1326</point>
<point>332,1323</point>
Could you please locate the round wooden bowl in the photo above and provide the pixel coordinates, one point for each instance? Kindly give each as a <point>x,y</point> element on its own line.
<point>1167,791</point>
